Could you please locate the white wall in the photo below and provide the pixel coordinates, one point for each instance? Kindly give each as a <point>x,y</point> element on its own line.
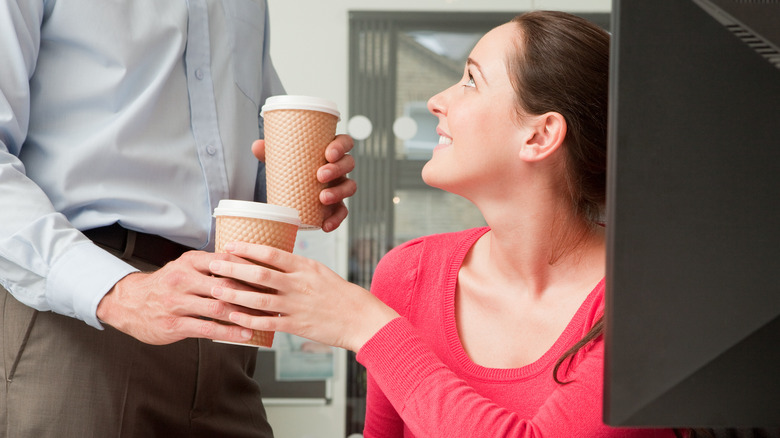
<point>309,46</point>
<point>309,38</point>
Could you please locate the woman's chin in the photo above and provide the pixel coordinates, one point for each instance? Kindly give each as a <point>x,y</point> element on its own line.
<point>429,172</point>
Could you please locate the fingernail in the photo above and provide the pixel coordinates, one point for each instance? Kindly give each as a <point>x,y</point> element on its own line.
<point>217,292</point>
<point>234,317</point>
<point>246,333</point>
<point>330,155</point>
<point>215,266</point>
<point>325,175</point>
<point>230,247</point>
<point>327,198</point>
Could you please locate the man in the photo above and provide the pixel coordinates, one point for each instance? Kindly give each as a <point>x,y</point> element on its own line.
<point>122,125</point>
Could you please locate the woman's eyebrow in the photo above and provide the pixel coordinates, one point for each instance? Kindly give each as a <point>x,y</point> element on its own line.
<point>471,61</point>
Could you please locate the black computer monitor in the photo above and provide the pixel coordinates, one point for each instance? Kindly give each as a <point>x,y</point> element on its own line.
<point>693,215</point>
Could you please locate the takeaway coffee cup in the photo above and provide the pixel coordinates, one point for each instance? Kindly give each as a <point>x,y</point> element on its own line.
<point>297,131</point>
<point>255,222</point>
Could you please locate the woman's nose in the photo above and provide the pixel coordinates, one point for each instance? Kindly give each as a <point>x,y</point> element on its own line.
<point>437,104</point>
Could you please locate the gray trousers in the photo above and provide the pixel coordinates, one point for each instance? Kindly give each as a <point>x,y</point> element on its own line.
<point>63,378</point>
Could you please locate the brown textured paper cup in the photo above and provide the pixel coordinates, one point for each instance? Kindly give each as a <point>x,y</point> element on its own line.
<point>297,131</point>
<point>258,223</point>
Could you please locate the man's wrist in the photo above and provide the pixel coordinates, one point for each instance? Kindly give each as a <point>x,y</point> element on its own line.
<point>105,311</point>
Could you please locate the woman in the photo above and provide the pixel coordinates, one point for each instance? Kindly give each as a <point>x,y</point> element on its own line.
<point>470,332</point>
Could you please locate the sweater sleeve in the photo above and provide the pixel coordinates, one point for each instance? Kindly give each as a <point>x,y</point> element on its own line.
<point>382,420</point>
<point>393,280</point>
<point>433,402</point>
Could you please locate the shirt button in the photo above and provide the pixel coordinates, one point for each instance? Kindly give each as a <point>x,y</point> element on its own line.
<point>211,150</point>
<point>199,74</point>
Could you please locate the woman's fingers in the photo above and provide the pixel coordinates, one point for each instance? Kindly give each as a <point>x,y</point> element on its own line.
<point>267,255</point>
<point>267,302</point>
<point>272,318</point>
<point>256,275</point>
<point>264,323</point>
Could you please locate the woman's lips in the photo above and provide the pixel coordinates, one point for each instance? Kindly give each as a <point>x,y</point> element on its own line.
<point>444,142</point>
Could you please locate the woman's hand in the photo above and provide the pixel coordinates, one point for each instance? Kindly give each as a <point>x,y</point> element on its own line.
<point>311,300</point>
<point>334,174</point>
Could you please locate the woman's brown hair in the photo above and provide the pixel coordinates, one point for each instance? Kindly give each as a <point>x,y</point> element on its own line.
<point>561,64</point>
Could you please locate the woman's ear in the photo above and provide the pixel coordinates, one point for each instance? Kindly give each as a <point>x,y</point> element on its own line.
<point>544,136</point>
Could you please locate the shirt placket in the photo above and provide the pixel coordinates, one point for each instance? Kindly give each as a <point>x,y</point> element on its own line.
<point>203,107</point>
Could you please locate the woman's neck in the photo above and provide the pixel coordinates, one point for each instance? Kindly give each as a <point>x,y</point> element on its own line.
<point>531,274</point>
<point>542,248</point>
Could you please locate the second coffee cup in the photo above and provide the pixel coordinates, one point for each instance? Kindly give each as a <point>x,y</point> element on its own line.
<point>297,131</point>
<point>255,222</point>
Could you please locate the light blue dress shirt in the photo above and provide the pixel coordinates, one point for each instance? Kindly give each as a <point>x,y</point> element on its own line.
<point>140,112</point>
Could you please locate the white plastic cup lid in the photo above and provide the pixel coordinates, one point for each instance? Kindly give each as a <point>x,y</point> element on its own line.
<point>257,210</point>
<point>300,103</point>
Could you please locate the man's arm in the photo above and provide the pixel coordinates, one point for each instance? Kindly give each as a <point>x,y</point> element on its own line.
<point>37,244</point>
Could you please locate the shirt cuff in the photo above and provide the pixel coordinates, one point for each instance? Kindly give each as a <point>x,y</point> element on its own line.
<point>80,278</point>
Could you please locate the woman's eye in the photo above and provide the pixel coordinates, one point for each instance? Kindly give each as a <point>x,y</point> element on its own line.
<point>470,82</point>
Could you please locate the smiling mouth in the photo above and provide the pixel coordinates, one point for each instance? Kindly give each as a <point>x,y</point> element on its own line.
<point>444,140</point>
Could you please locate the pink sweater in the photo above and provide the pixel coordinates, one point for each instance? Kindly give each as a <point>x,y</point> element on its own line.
<point>422,383</point>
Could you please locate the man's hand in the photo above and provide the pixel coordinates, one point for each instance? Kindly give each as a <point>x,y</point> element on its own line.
<point>172,303</point>
<point>334,174</point>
